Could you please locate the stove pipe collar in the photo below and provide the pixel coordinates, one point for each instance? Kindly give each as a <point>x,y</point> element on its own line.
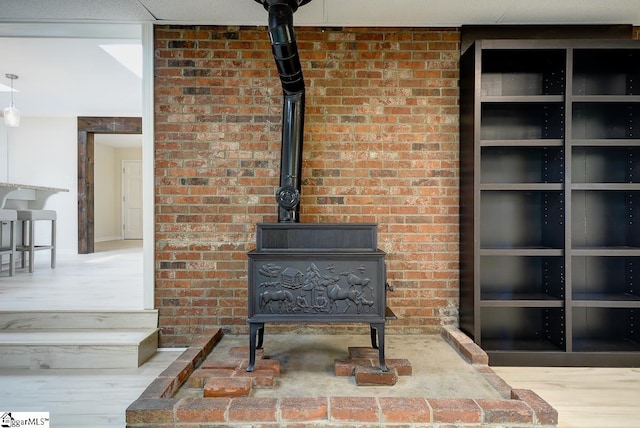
<point>293,4</point>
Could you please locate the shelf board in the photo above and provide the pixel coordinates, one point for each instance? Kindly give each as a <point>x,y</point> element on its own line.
<point>522,98</point>
<point>621,142</point>
<point>540,142</point>
<point>612,345</point>
<point>605,301</point>
<point>606,251</point>
<point>605,186</point>
<point>606,98</point>
<point>606,297</point>
<point>497,345</point>
<point>522,186</point>
<point>517,296</point>
<point>521,301</point>
<point>536,45</point>
<point>529,251</point>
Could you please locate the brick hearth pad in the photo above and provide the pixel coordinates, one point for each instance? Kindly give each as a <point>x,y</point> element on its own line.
<point>177,397</point>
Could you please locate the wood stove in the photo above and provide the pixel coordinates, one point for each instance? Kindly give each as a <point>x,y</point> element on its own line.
<point>329,273</point>
<point>309,272</point>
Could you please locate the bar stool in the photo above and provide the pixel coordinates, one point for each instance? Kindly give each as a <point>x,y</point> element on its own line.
<point>9,216</point>
<point>28,219</point>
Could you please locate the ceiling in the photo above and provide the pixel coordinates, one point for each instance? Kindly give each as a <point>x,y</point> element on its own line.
<point>53,45</point>
<point>330,12</point>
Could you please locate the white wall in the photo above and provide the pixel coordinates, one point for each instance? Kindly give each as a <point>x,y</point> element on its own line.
<point>4,133</point>
<point>43,152</point>
<point>108,187</point>
<point>106,195</point>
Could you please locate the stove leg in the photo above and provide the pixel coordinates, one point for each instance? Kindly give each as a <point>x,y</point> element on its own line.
<point>256,329</point>
<point>379,327</point>
<point>374,340</point>
<point>260,336</point>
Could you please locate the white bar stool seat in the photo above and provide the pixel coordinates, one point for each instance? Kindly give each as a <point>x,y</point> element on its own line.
<point>28,219</point>
<point>11,217</point>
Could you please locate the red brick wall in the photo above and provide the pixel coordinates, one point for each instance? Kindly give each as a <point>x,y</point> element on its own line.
<point>381,145</point>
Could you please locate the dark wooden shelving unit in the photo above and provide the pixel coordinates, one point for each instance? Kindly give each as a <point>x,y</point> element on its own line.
<point>550,201</point>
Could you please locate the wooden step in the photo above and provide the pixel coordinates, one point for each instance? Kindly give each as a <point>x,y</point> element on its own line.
<point>77,339</point>
<point>79,349</point>
<point>74,319</point>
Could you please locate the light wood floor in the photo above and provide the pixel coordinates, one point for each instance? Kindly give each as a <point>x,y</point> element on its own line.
<point>80,397</point>
<point>585,397</point>
<point>111,278</point>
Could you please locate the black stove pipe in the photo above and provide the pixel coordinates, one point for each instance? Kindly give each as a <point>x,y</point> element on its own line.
<point>285,53</point>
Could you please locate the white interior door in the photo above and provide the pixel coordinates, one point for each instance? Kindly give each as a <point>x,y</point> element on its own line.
<point>132,199</point>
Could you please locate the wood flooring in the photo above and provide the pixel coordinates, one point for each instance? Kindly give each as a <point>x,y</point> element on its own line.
<point>585,397</point>
<point>87,398</point>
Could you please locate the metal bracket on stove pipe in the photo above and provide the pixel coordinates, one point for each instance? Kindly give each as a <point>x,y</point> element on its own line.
<point>288,195</point>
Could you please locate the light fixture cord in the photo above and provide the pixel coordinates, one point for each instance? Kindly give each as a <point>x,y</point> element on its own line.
<point>12,91</point>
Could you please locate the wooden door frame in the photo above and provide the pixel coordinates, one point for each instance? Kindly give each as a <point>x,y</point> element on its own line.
<point>87,128</point>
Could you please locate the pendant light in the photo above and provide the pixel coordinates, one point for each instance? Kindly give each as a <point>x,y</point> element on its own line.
<point>11,113</point>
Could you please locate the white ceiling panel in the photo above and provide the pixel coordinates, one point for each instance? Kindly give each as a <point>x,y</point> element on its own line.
<point>414,12</point>
<point>329,12</point>
<point>572,12</point>
<point>311,14</point>
<point>69,10</point>
<point>73,30</point>
<point>229,12</point>
<point>215,12</point>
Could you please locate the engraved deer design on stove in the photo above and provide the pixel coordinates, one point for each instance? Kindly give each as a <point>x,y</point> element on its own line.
<point>335,293</point>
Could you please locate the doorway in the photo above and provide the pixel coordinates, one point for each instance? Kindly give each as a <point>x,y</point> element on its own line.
<point>87,128</point>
